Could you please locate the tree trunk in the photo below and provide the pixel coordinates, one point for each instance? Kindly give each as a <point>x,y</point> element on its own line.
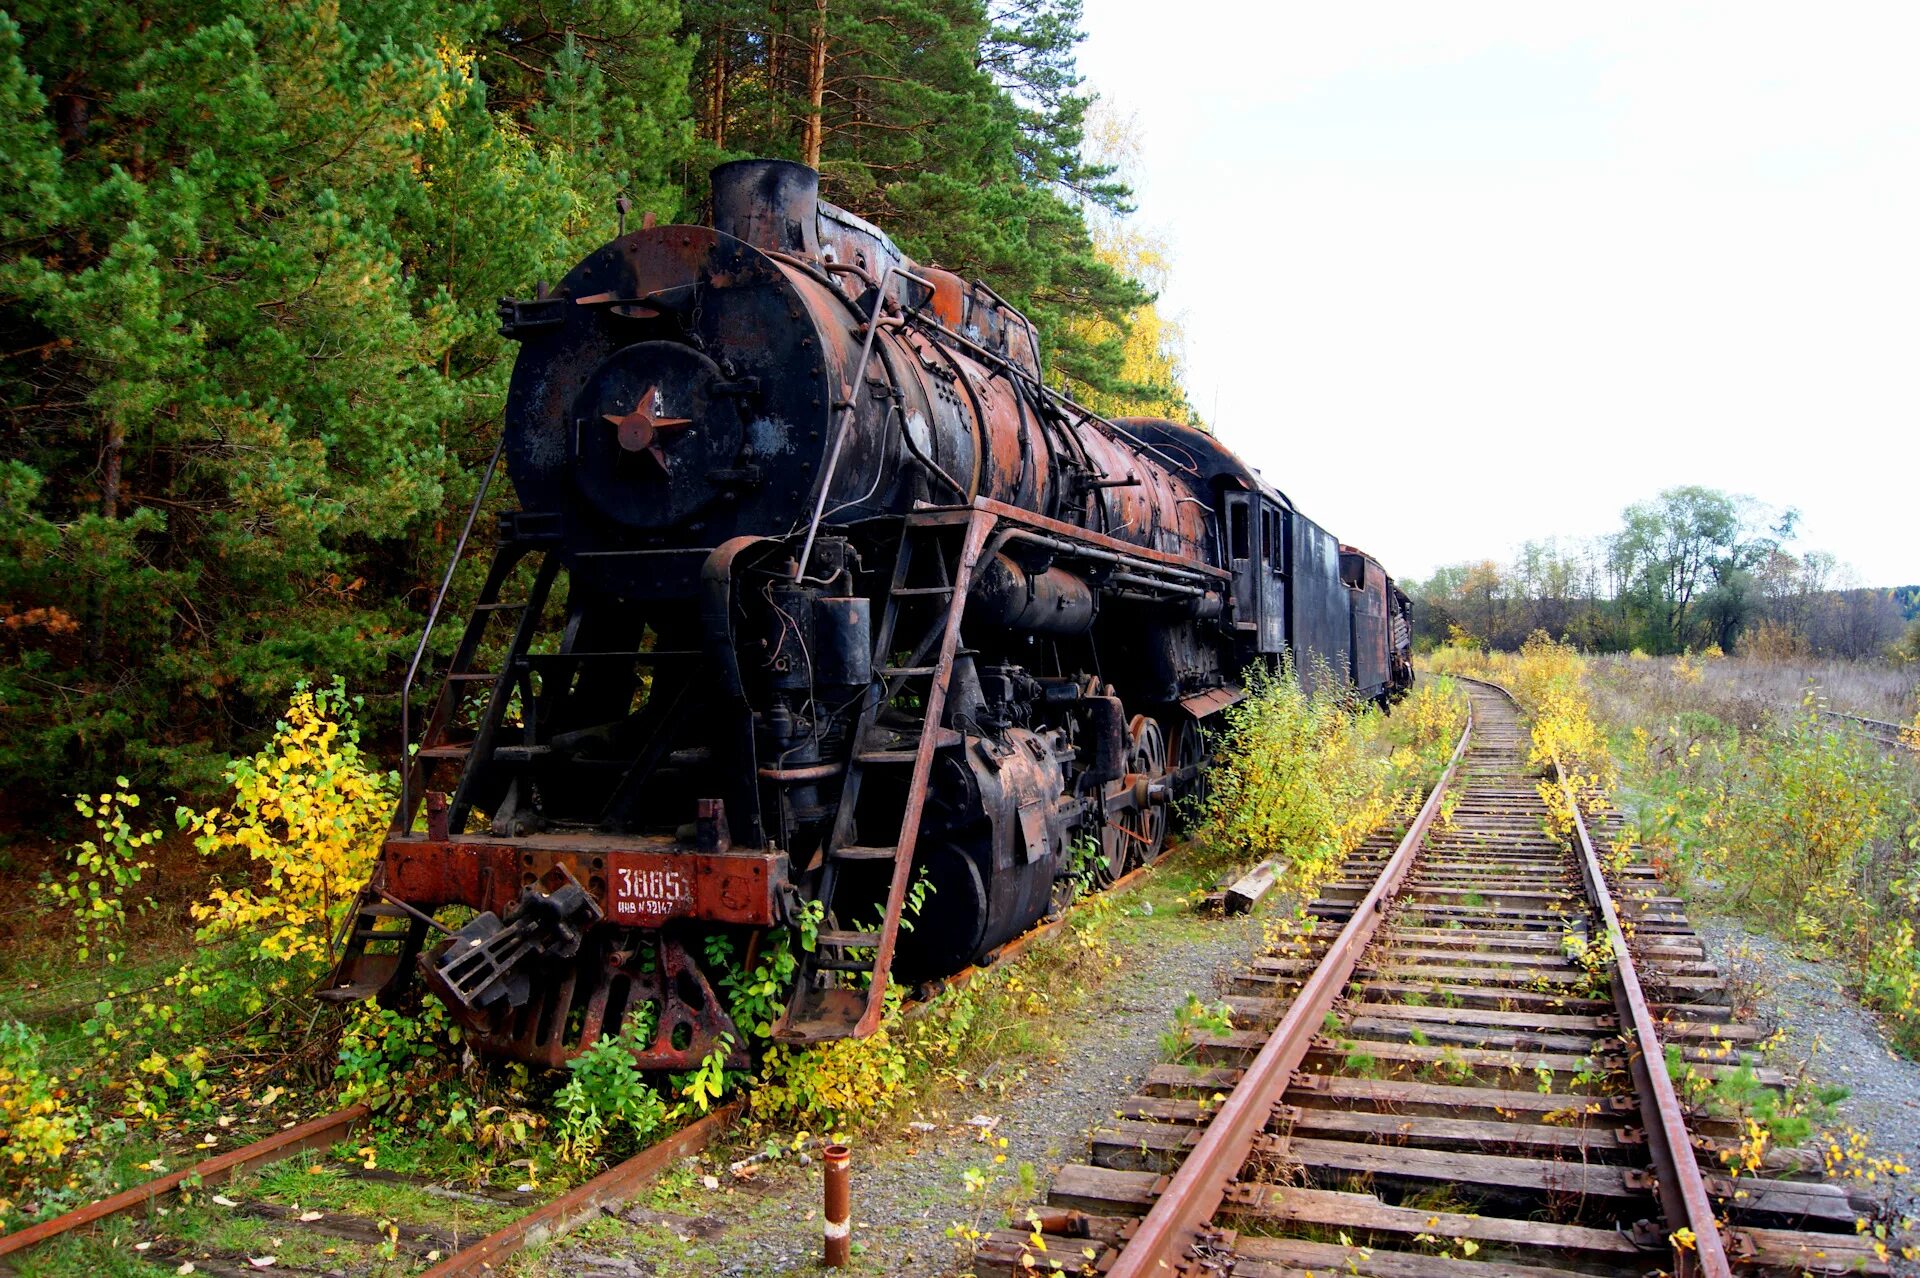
<point>717,98</point>
<point>816,86</point>
<point>776,45</point>
<point>109,510</point>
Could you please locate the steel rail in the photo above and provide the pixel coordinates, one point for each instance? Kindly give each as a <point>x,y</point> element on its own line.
<point>1864,721</point>
<point>1677,1179</point>
<point>315,1133</point>
<point>584,1204</point>
<point>1889,736</point>
<point>1194,1194</point>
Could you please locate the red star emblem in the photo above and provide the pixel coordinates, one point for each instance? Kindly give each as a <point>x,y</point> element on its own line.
<point>640,431</point>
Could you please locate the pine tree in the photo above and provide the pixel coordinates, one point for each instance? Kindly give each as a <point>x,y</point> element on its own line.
<point>249,254</point>
<point>957,128</point>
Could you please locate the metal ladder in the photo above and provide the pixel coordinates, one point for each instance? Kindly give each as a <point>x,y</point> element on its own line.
<point>829,1000</point>
<point>380,939</point>
<point>438,748</point>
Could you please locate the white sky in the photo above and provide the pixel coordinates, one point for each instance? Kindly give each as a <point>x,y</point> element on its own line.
<point>1456,274</point>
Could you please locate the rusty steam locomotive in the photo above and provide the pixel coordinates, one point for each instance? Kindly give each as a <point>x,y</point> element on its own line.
<point>849,602</point>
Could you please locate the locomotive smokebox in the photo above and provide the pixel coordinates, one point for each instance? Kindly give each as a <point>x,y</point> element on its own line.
<point>773,205</point>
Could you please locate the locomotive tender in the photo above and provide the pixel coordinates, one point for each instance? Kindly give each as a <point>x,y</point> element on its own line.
<point>854,608</point>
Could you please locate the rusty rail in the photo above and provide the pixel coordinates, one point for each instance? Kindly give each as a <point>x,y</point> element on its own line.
<point>1173,1224</point>
<point>1882,733</point>
<point>1415,1080</point>
<point>316,1133</point>
<point>1678,1182</point>
<point>581,1206</point>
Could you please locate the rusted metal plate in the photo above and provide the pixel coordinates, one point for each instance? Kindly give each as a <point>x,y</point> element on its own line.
<point>636,886</point>
<point>1212,701</point>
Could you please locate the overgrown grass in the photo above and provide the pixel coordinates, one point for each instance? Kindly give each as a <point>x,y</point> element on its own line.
<point>172,1050</point>
<point>1749,690</point>
<point>1805,826</point>
<point>1548,680</point>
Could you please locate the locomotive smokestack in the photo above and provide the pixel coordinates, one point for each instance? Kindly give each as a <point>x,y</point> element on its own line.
<point>771,204</point>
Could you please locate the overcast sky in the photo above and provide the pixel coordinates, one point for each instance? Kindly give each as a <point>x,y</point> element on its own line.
<point>1456,275</point>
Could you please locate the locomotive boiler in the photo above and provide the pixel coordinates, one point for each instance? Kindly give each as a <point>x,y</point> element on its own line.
<point>818,599</point>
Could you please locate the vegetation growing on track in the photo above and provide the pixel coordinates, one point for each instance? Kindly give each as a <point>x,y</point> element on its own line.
<point>211,1043</point>
<point>229,1041</point>
<point>1329,774</point>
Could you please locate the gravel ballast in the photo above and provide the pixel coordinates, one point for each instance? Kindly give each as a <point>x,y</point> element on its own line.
<point>1826,1029</point>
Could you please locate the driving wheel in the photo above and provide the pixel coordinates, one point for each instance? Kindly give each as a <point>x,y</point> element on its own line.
<point>1138,836</point>
<point>1191,754</point>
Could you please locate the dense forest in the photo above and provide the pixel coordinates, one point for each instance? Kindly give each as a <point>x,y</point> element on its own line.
<point>1691,568</point>
<point>249,257</point>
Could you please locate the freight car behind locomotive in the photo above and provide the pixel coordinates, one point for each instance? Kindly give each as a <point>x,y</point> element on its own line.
<point>818,602</point>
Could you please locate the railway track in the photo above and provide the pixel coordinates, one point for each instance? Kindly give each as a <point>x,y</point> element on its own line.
<point>1435,1079</point>
<point>1882,732</point>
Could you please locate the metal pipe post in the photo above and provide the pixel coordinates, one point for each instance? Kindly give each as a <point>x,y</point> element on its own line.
<point>839,1225</point>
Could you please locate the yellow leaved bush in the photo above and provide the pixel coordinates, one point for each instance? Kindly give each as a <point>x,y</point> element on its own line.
<point>309,810</point>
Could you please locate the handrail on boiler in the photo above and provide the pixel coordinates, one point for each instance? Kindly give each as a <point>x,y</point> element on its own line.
<point>846,408</point>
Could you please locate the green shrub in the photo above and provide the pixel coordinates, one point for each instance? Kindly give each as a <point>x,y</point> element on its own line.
<point>106,868</point>
<point>607,1097</point>
<point>1799,816</point>
<point>1309,775</point>
<point>39,1119</point>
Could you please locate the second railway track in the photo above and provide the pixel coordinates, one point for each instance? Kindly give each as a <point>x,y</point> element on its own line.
<point>1435,1079</point>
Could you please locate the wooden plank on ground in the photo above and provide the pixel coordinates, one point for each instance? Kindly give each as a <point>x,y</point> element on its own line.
<point>1365,1211</point>
<point>1403,1163</point>
<point>1082,1187</point>
<point>1399,1095</point>
<point>1265,1257</point>
<point>1256,883</point>
<point>1460,1133</point>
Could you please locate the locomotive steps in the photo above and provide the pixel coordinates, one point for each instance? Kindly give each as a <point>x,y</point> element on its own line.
<point>1433,1077</point>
